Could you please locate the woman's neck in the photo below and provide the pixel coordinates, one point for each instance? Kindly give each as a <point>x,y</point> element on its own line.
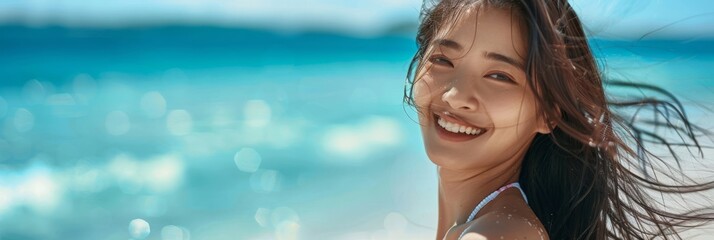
<point>461,190</point>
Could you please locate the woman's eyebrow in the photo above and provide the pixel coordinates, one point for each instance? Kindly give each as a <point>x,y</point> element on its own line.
<point>490,55</point>
<point>504,58</point>
<point>449,43</point>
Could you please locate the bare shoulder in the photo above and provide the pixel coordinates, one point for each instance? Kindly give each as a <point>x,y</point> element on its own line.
<point>513,223</point>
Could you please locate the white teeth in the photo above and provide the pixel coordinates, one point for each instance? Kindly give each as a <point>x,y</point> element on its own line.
<point>449,126</point>
<point>456,128</point>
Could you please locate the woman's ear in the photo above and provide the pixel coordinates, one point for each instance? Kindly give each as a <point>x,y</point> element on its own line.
<point>547,124</point>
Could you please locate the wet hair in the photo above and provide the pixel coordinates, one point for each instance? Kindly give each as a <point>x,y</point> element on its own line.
<point>595,175</point>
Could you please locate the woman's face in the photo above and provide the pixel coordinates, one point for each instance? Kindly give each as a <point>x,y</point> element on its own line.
<point>475,78</point>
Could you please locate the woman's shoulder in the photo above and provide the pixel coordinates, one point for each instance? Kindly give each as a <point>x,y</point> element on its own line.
<point>505,225</point>
<point>510,218</point>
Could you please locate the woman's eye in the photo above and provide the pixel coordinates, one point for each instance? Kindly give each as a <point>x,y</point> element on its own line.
<point>500,77</point>
<point>439,60</point>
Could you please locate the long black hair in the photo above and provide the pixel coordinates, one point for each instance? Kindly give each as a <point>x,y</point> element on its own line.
<point>594,175</point>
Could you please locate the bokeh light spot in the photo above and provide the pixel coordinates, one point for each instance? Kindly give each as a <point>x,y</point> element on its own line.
<point>34,92</point>
<point>24,120</point>
<point>84,87</point>
<point>172,232</point>
<point>352,143</point>
<point>179,122</point>
<point>164,174</point>
<point>6,199</point>
<point>287,230</point>
<point>283,135</point>
<point>153,104</point>
<point>152,206</point>
<point>264,180</point>
<point>139,228</point>
<point>257,113</point>
<point>345,141</point>
<point>88,180</point>
<point>247,160</point>
<point>40,190</point>
<point>262,217</point>
<point>117,123</point>
<point>382,131</point>
<point>126,172</point>
<point>286,222</point>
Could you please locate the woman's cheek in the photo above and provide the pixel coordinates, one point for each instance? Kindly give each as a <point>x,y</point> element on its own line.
<point>520,113</point>
<point>505,107</point>
<point>499,97</point>
<point>424,90</point>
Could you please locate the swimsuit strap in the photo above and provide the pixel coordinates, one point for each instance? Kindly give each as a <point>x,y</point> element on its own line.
<point>492,196</point>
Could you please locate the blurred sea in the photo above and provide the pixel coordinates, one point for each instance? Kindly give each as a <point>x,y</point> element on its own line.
<point>226,133</point>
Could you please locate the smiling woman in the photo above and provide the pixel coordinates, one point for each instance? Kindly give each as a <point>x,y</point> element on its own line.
<point>474,79</point>
<point>513,113</point>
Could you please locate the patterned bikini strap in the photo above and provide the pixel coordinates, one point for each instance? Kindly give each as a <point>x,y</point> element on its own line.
<point>493,195</point>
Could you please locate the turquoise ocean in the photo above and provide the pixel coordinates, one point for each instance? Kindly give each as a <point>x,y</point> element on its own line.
<point>195,132</point>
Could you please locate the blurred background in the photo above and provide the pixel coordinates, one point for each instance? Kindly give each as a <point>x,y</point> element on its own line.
<point>219,119</point>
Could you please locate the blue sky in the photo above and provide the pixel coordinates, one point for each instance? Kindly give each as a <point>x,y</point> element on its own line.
<point>608,18</point>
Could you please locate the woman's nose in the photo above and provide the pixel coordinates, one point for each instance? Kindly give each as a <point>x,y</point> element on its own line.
<point>460,96</point>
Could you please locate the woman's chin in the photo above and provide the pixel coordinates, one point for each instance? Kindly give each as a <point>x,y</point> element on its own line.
<point>450,160</point>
